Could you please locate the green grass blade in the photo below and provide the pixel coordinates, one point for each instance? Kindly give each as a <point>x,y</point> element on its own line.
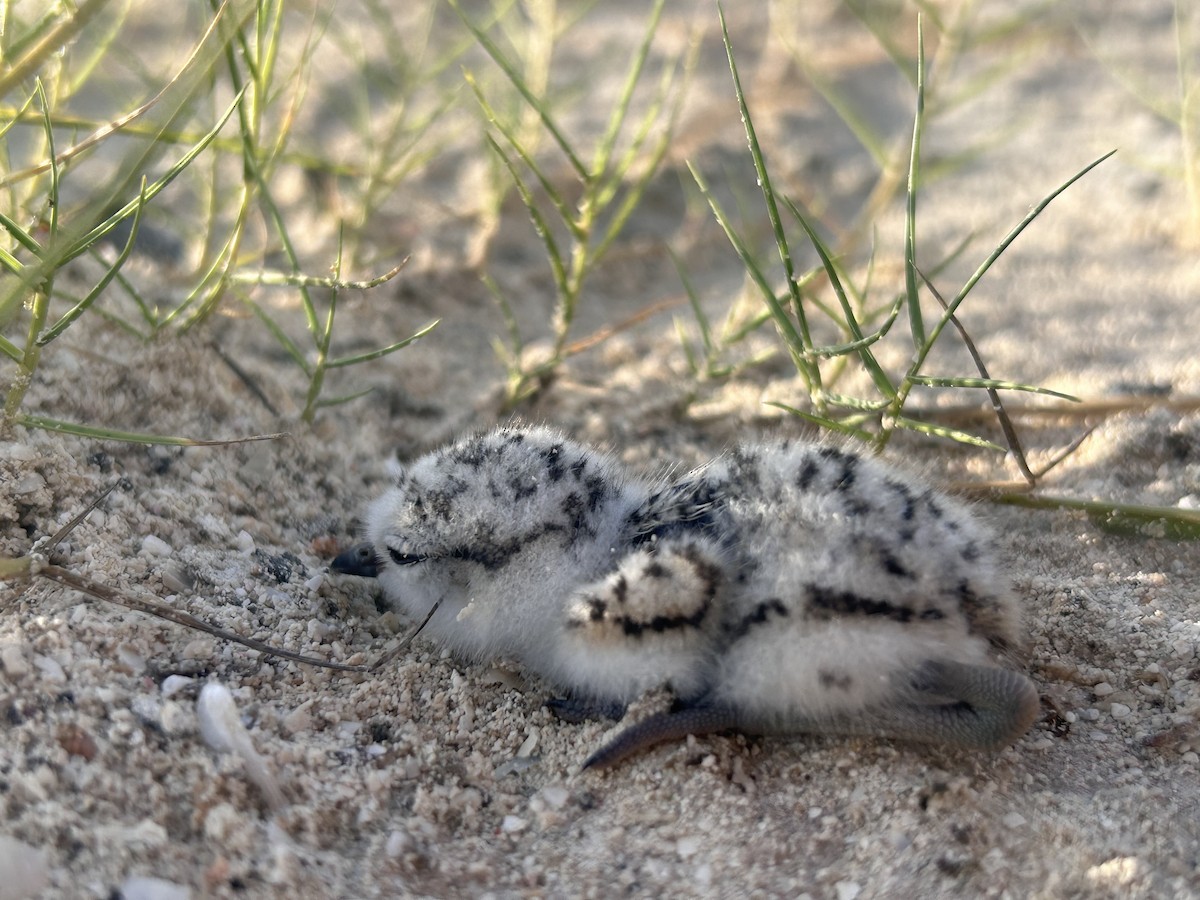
<point>540,225</point>
<point>383,351</point>
<point>962,437</point>
<point>1129,519</point>
<point>489,46</point>
<point>952,307</point>
<point>11,350</point>
<point>812,373</point>
<point>342,399</point>
<point>13,266</point>
<point>860,344</point>
<point>552,192</point>
<point>916,322</point>
<point>787,330</point>
<point>78,309</point>
<point>823,421</point>
<point>272,278</point>
<point>858,403</point>
<point>702,322</point>
<point>289,346</point>
<point>21,236</point>
<point>152,190</point>
<point>608,141</point>
<point>988,383</point>
<point>130,437</point>
<point>58,35</point>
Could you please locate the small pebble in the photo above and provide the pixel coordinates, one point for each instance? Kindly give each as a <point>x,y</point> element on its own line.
<point>24,871</point>
<point>556,796</point>
<point>530,744</point>
<point>132,661</point>
<point>513,824</point>
<point>177,578</point>
<point>140,887</point>
<point>1119,711</point>
<point>12,660</point>
<point>155,546</point>
<point>222,729</point>
<point>1103,689</point>
<point>28,483</point>
<point>50,669</point>
<point>245,543</point>
<point>1013,820</point>
<point>847,890</point>
<point>18,452</point>
<point>173,684</point>
<point>398,843</point>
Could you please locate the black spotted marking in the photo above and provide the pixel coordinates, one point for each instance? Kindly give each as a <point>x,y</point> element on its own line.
<point>709,574</point>
<point>661,624</point>
<point>598,490</point>
<point>493,553</point>
<point>970,553</point>
<point>655,569</point>
<point>575,509</point>
<point>688,507</point>
<point>441,501</point>
<point>975,609</point>
<point>552,462</point>
<point>967,598</point>
<point>471,453</point>
<point>933,615</point>
<point>523,487</point>
<point>417,506</point>
<point>621,589</point>
<point>849,474</point>
<point>908,508</point>
<point>893,566</point>
<point>834,680</point>
<point>761,613</point>
<point>596,609</point>
<point>826,603</point>
<point>745,462</point>
<point>807,474</point>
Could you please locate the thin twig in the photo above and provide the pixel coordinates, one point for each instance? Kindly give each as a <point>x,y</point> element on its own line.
<point>603,334</point>
<point>399,648</point>
<point>1006,425</point>
<point>58,536</point>
<point>963,414</point>
<point>245,378</point>
<point>156,607</point>
<point>27,568</point>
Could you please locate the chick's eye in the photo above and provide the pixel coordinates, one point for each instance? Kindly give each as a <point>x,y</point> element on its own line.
<point>404,559</point>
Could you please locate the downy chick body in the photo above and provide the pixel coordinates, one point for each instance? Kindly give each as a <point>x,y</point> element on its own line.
<point>787,587</point>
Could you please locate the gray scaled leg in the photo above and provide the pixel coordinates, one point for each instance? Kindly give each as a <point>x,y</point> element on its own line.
<point>967,706</point>
<point>665,726</point>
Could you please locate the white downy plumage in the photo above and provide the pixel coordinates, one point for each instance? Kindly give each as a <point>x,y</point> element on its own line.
<point>786,587</point>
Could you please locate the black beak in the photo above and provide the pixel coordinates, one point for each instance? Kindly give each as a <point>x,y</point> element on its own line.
<point>358,560</point>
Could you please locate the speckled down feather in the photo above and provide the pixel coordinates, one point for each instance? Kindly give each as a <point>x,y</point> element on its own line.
<point>786,587</point>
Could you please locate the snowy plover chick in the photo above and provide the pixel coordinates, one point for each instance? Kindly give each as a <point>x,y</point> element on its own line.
<point>784,588</point>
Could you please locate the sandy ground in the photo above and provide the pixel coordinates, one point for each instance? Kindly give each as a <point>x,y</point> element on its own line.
<point>432,778</point>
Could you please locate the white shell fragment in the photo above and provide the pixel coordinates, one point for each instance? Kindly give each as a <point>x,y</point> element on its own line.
<point>222,729</point>
<point>23,869</point>
<point>141,887</point>
<point>155,546</point>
